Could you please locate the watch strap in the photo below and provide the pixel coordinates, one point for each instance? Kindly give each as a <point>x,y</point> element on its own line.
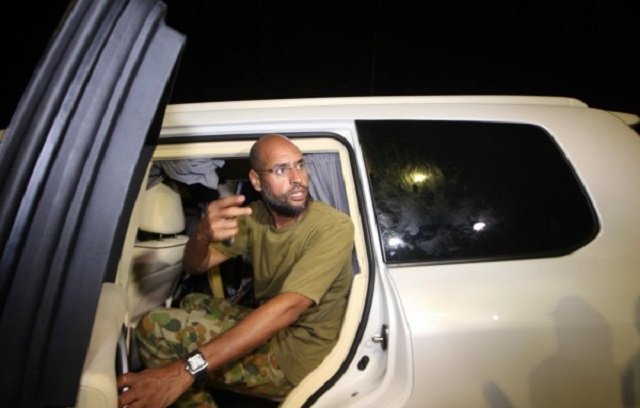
<point>197,366</point>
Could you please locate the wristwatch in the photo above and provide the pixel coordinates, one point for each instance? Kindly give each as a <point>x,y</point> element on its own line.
<point>197,367</point>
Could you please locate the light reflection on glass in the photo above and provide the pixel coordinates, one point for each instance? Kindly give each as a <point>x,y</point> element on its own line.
<point>419,177</point>
<point>395,242</point>
<point>479,226</point>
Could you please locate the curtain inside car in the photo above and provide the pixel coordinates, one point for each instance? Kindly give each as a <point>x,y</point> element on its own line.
<point>325,179</point>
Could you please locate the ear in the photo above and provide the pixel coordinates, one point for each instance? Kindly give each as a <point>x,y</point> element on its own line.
<point>255,180</point>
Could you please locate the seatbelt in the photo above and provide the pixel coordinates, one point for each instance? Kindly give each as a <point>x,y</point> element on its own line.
<point>215,282</point>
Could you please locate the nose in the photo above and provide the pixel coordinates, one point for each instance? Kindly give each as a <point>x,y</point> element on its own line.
<point>295,175</point>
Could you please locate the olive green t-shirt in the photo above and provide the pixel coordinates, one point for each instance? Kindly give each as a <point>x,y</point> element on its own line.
<point>311,257</point>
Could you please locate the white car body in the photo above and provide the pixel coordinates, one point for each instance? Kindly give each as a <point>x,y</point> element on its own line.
<point>543,312</point>
<point>466,334</point>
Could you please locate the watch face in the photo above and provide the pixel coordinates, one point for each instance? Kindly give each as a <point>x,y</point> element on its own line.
<point>197,362</point>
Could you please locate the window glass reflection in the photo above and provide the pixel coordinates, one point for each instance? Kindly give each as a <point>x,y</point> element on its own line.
<point>446,191</point>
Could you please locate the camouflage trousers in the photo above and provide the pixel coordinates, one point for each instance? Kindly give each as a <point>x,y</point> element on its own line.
<point>167,334</point>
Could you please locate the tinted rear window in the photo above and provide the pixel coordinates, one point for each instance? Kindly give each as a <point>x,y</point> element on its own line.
<point>451,191</point>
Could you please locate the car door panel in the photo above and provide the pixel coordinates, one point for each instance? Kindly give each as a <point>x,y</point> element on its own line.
<point>98,387</point>
<point>79,140</point>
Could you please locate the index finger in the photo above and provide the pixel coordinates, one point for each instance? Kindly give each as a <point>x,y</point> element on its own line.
<point>231,206</point>
<point>231,201</point>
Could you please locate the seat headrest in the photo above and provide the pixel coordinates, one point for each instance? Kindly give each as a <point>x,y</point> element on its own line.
<point>161,210</point>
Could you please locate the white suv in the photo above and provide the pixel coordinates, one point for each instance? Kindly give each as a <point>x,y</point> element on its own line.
<point>496,242</point>
<point>496,257</point>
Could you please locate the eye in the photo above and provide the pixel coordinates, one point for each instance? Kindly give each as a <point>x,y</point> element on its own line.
<point>300,165</point>
<point>279,170</point>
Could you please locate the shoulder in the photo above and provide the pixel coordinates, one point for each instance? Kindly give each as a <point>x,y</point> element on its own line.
<point>325,215</point>
<point>322,209</point>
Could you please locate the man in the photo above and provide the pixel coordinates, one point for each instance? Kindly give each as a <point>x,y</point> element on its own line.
<point>300,250</point>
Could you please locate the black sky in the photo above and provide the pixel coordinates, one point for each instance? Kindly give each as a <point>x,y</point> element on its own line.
<point>241,49</point>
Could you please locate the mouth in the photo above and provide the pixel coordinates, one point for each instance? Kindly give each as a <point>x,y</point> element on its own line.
<point>299,194</point>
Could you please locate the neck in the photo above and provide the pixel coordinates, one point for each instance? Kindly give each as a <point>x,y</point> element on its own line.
<point>281,221</point>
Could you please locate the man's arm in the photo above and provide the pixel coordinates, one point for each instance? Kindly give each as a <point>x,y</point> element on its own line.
<point>159,387</point>
<point>199,256</point>
<point>218,224</point>
<point>255,329</point>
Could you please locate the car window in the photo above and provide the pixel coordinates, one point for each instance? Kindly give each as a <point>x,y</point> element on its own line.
<point>452,191</point>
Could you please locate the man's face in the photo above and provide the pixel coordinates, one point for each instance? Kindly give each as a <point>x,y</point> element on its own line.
<point>284,180</point>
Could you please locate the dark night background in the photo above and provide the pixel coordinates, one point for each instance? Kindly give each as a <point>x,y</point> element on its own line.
<point>238,50</point>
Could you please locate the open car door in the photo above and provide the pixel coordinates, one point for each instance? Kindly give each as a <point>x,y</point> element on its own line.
<point>72,160</point>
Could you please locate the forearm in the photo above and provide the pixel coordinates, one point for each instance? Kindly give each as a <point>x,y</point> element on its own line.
<point>255,329</point>
<point>197,255</point>
<point>219,223</point>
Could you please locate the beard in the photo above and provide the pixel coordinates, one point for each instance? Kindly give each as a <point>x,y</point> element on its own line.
<point>280,205</point>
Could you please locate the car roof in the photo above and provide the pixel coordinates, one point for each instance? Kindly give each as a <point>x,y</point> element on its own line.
<point>357,107</point>
<point>380,100</point>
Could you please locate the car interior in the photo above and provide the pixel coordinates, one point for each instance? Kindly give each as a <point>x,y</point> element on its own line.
<point>178,186</point>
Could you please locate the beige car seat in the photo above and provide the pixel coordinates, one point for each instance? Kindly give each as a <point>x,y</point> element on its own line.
<point>155,270</point>
<point>157,258</point>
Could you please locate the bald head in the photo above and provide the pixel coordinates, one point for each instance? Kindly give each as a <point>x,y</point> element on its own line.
<point>258,156</point>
